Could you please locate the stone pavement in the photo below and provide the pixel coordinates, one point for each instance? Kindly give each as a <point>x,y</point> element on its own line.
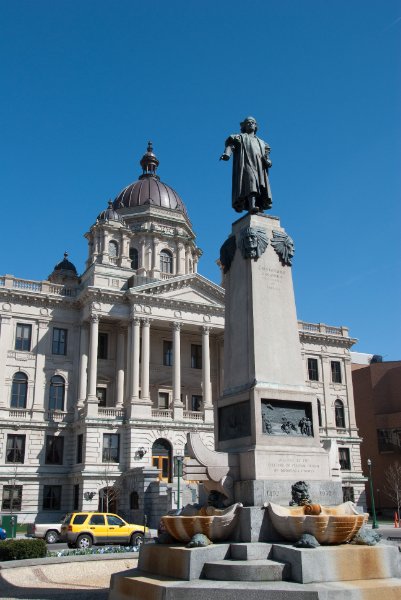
<point>83,579</point>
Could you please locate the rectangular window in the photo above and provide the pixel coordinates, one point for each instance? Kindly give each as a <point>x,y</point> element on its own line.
<point>163,400</point>
<point>196,356</point>
<point>23,337</point>
<point>102,348</point>
<point>76,497</point>
<point>80,446</point>
<point>12,497</point>
<point>54,449</point>
<point>336,371</point>
<point>344,459</point>
<point>59,343</point>
<point>313,373</point>
<point>15,452</point>
<point>348,494</point>
<point>111,447</point>
<point>389,440</point>
<point>101,393</point>
<point>196,403</point>
<point>51,497</point>
<point>168,354</point>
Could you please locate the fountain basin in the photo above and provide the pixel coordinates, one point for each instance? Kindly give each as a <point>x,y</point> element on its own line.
<point>334,525</point>
<point>216,524</point>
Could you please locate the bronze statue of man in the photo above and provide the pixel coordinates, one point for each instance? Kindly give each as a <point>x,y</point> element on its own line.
<point>251,188</point>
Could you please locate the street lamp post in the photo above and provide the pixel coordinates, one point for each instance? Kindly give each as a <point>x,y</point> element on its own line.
<point>372,499</point>
<point>179,460</point>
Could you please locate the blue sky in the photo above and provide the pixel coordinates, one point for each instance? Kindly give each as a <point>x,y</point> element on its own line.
<point>86,83</point>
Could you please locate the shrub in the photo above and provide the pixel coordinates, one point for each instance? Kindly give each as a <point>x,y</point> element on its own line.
<point>20,549</point>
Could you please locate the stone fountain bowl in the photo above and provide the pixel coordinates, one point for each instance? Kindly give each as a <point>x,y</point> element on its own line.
<point>216,524</point>
<point>332,525</point>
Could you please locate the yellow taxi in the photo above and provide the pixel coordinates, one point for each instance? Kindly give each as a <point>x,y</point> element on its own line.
<point>82,529</point>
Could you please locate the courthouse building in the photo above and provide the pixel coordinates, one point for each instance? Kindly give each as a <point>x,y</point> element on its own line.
<point>103,374</point>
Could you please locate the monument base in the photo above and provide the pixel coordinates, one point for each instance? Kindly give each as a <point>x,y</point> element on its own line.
<point>261,571</point>
<point>257,492</point>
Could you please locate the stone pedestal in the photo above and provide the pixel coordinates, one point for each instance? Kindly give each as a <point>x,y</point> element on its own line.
<point>267,416</point>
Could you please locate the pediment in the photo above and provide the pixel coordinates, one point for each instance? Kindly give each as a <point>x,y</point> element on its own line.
<point>194,289</point>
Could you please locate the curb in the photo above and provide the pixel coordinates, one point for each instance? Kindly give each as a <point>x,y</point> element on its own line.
<point>54,560</point>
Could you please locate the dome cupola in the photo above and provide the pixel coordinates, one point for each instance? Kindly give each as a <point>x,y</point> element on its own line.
<point>148,189</point>
<point>110,214</point>
<point>64,272</point>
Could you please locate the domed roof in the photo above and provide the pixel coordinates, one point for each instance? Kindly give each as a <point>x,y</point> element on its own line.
<point>66,265</point>
<point>149,189</point>
<point>110,214</point>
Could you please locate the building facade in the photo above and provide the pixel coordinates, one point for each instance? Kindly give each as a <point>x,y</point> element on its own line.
<point>103,374</point>
<point>377,386</point>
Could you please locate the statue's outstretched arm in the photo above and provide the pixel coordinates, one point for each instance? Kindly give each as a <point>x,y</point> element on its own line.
<point>229,148</point>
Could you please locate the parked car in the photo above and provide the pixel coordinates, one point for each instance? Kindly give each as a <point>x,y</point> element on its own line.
<point>47,531</point>
<point>82,529</point>
<point>3,534</point>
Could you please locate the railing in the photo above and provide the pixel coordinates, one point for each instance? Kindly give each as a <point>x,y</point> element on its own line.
<point>192,415</point>
<point>166,275</point>
<point>322,328</point>
<point>18,413</point>
<point>111,412</point>
<point>28,285</point>
<point>113,260</point>
<point>56,415</point>
<point>162,413</point>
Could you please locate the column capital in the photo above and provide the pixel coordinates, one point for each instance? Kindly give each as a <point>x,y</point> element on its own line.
<point>206,329</point>
<point>176,325</point>
<point>94,318</point>
<point>135,319</point>
<point>145,321</point>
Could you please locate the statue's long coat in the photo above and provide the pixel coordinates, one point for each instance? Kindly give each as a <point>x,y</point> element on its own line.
<point>249,171</point>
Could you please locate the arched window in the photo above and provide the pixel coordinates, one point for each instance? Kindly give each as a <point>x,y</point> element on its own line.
<point>340,416</point>
<point>166,261</point>
<point>133,254</point>
<point>113,249</point>
<point>57,391</point>
<point>161,458</point>
<point>319,413</point>
<point>19,390</point>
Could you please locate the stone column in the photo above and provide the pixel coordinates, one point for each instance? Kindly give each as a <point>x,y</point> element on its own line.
<point>105,249</point>
<point>145,360</point>
<point>134,359</point>
<point>178,406</point>
<point>128,366</point>
<point>83,364</point>
<point>120,368</point>
<point>5,346</point>
<point>206,384</point>
<point>142,259</point>
<point>39,402</point>
<point>350,396</point>
<point>187,257</point>
<point>156,258</point>
<point>91,400</point>
<point>180,258</point>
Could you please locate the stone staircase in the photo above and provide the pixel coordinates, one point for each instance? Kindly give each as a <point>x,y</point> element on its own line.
<point>247,562</point>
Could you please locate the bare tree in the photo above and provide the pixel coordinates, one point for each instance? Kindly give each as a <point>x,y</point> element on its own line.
<point>392,485</point>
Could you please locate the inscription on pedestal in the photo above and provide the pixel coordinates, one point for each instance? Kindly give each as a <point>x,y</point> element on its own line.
<point>234,421</point>
<point>273,276</point>
<point>286,418</point>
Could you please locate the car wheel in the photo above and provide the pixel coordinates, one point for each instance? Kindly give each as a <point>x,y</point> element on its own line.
<point>136,539</point>
<point>51,537</point>
<point>84,541</point>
